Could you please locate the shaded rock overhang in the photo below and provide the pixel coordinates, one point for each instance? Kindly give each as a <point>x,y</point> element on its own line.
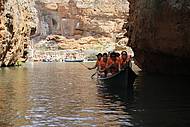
<point>159,33</point>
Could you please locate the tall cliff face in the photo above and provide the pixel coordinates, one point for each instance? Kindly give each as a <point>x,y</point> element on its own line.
<point>159,33</point>
<point>17,22</point>
<point>81,18</point>
<point>84,24</point>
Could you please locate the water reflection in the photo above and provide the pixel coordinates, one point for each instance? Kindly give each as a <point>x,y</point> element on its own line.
<point>61,94</point>
<point>64,95</point>
<point>13,100</point>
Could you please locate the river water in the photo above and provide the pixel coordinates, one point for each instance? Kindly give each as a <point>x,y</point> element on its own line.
<point>64,95</point>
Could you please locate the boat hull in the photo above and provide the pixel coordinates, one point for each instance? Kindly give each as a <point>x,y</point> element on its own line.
<point>122,80</point>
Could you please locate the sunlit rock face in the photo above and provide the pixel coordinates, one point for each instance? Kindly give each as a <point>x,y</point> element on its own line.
<point>159,32</point>
<point>75,19</point>
<point>17,23</point>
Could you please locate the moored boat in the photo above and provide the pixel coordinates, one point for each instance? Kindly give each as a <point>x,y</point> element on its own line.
<point>74,60</point>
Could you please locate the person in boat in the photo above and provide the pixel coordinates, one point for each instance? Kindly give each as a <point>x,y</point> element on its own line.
<point>99,57</point>
<point>129,59</point>
<point>124,60</point>
<point>102,65</point>
<point>113,64</point>
<point>118,55</point>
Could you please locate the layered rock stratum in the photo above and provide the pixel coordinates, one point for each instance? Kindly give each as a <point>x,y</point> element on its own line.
<point>159,33</point>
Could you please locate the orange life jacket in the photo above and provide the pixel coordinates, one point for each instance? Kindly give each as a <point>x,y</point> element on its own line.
<point>102,64</point>
<point>113,69</point>
<point>98,62</point>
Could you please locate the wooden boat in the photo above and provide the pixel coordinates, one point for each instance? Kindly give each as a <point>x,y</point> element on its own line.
<point>74,60</point>
<point>122,80</point>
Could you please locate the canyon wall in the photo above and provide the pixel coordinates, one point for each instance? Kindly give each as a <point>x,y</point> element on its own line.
<point>78,18</point>
<point>84,23</point>
<point>17,23</point>
<point>81,21</point>
<point>159,33</point>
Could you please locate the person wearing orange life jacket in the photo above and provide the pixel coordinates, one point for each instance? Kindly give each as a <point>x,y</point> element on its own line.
<point>113,64</point>
<point>99,57</point>
<point>124,60</point>
<point>102,65</point>
<point>117,56</point>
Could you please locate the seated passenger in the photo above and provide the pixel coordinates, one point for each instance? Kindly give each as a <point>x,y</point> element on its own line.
<point>118,55</point>
<point>102,65</point>
<point>99,57</point>
<point>124,60</point>
<point>113,64</point>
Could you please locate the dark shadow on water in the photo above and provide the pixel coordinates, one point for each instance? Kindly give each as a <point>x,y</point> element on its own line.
<point>162,100</point>
<point>155,101</point>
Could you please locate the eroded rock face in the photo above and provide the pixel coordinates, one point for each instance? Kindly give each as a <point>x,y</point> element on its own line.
<point>159,33</point>
<point>81,18</point>
<point>17,23</point>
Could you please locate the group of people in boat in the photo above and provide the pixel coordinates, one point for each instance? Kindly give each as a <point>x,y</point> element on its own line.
<point>108,64</point>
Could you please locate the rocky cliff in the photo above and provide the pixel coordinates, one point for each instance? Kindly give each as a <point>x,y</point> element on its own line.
<point>79,20</point>
<point>17,23</point>
<point>76,18</point>
<point>159,33</point>
<point>82,24</point>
